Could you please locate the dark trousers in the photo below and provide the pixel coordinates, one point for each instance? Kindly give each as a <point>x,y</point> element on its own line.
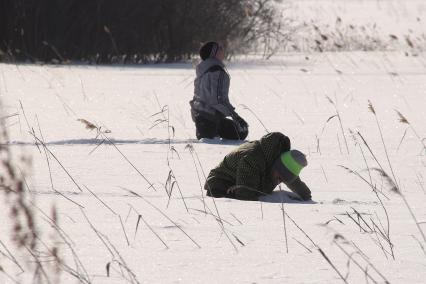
<point>223,127</point>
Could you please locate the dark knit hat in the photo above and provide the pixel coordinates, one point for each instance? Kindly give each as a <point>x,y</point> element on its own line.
<point>289,164</point>
<point>209,50</point>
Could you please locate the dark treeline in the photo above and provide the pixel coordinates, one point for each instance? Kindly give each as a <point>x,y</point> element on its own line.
<point>105,31</point>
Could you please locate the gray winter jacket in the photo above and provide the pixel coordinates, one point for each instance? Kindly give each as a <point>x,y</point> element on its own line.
<point>211,87</point>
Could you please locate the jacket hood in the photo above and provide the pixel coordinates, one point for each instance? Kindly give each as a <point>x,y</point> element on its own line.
<point>272,145</point>
<point>207,64</point>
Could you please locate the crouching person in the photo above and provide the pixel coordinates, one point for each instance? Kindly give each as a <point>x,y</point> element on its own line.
<point>256,168</point>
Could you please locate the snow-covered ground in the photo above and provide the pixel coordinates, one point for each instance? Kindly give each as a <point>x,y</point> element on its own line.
<point>355,24</point>
<point>109,214</point>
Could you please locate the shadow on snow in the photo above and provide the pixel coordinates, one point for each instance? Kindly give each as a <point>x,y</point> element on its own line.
<point>146,141</point>
<point>284,197</point>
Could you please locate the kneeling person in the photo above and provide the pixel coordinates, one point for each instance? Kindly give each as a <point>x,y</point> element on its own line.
<point>256,168</point>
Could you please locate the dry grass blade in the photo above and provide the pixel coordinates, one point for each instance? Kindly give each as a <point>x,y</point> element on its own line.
<point>87,124</point>
<point>170,183</point>
<point>254,114</point>
<point>8,275</point>
<point>151,185</point>
<point>330,100</point>
<point>124,230</point>
<point>370,107</point>
<point>107,267</point>
<point>402,138</point>
<point>284,223</point>
<point>330,118</point>
<point>340,124</point>
<point>235,217</point>
<point>300,243</point>
<point>10,256</point>
<point>140,217</point>
<point>420,244</point>
<point>341,238</point>
<point>113,251</point>
<point>100,200</point>
<point>57,160</point>
<point>388,179</point>
<point>402,118</point>
<point>332,265</point>
<point>162,213</point>
<point>191,150</point>
<point>238,240</point>
<point>9,116</point>
<point>218,219</point>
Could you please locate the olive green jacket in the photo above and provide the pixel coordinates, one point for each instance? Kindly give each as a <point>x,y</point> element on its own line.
<point>248,169</point>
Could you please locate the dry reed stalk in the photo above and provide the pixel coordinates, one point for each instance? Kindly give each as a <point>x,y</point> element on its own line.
<point>373,111</point>
<point>100,200</point>
<point>369,264</point>
<point>170,183</point>
<point>10,256</point>
<point>340,121</point>
<point>102,133</point>
<point>8,275</point>
<point>162,213</point>
<point>191,150</point>
<point>254,114</point>
<point>225,221</point>
<point>57,160</point>
<point>394,180</point>
<point>284,223</point>
<point>70,244</point>
<point>300,243</point>
<point>323,254</point>
<point>318,137</point>
<point>113,212</point>
<point>404,120</point>
<point>332,265</point>
<point>420,244</point>
<point>151,185</point>
<point>325,176</point>
<point>219,218</point>
<point>140,217</point>
<point>9,116</point>
<point>235,217</point>
<point>420,183</point>
<point>116,256</point>
<point>30,129</point>
<point>114,44</point>
<point>402,139</point>
<point>238,240</point>
<point>46,155</point>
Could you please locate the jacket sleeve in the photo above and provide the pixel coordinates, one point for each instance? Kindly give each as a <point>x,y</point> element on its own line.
<point>247,174</point>
<point>300,188</point>
<point>219,89</point>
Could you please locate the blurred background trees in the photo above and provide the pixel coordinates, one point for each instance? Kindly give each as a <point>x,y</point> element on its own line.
<point>131,31</point>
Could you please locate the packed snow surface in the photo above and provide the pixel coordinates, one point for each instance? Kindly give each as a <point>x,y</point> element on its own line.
<point>143,112</point>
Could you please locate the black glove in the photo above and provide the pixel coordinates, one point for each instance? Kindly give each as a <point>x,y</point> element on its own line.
<point>241,124</point>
